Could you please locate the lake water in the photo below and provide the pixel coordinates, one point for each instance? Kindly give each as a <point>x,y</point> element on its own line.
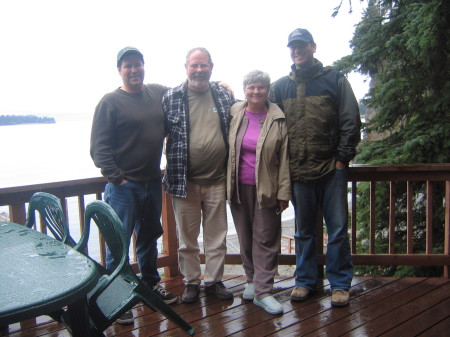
<point>41,153</point>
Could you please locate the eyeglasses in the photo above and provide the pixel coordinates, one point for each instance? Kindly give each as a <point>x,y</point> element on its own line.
<point>201,66</point>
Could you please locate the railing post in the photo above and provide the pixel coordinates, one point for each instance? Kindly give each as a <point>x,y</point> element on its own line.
<point>392,196</point>
<point>170,241</point>
<point>320,242</point>
<point>409,217</point>
<point>447,227</point>
<point>353,225</point>
<point>17,213</point>
<point>372,221</point>
<point>429,218</point>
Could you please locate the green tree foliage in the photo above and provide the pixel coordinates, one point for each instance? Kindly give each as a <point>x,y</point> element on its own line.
<point>404,47</point>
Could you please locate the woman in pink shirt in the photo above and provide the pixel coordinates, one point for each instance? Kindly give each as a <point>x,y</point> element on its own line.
<point>258,186</point>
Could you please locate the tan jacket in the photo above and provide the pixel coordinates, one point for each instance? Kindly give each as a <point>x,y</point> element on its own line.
<point>272,156</point>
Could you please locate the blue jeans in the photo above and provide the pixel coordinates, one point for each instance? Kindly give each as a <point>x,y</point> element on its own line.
<point>330,192</point>
<point>128,202</point>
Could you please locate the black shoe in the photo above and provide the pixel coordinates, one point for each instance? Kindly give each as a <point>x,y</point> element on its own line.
<point>126,318</point>
<point>167,297</point>
<point>191,293</point>
<point>219,290</point>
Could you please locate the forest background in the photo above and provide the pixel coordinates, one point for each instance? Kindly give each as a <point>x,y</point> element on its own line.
<point>403,46</point>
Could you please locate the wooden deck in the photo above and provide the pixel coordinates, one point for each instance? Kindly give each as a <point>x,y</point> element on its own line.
<point>378,307</point>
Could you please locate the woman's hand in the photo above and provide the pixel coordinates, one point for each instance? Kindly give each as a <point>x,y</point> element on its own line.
<point>282,205</point>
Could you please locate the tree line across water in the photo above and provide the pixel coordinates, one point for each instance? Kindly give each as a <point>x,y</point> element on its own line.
<point>25,119</point>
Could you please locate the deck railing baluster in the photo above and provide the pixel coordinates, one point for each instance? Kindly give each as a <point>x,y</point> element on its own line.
<point>392,197</point>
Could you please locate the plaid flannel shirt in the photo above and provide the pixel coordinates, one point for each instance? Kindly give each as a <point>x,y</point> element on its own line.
<point>176,111</point>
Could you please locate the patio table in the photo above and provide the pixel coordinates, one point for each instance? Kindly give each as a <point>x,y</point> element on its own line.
<point>40,275</point>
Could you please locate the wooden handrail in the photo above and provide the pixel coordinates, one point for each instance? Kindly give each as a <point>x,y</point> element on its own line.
<point>15,198</point>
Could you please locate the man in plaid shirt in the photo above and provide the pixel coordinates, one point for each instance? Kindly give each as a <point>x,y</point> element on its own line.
<point>197,117</point>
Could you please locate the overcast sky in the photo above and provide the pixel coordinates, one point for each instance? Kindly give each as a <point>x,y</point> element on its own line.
<point>59,56</point>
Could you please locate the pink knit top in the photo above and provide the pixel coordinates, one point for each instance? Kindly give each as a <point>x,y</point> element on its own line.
<point>247,161</point>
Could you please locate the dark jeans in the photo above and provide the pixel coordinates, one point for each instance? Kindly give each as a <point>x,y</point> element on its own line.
<point>330,192</point>
<point>128,202</point>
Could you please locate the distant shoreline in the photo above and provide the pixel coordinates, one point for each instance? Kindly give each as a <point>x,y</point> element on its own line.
<point>24,119</point>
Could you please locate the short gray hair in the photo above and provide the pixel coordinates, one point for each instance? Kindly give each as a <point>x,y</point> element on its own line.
<point>202,50</point>
<point>257,76</point>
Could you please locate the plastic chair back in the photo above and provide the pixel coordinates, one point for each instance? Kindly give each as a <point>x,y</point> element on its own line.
<point>51,212</point>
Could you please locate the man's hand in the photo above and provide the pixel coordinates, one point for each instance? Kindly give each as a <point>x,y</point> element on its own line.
<point>226,87</point>
<point>339,165</point>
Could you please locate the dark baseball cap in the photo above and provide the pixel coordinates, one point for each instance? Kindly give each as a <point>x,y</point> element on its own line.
<point>126,51</point>
<point>300,34</point>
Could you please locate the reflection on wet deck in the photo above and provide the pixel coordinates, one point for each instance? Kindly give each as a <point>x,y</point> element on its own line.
<point>379,306</point>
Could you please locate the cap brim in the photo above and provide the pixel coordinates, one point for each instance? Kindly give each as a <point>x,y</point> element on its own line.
<point>307,41</point>
<point>128,52</point>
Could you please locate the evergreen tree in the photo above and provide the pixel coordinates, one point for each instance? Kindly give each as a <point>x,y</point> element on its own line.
<point>403,46</point>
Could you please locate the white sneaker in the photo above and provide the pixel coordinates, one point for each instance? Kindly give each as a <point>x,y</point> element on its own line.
<point>249,292</point>
<point>269,304</point>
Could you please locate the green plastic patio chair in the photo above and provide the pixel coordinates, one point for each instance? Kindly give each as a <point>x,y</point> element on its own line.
<point>120,291</point>
<point>51,212</point>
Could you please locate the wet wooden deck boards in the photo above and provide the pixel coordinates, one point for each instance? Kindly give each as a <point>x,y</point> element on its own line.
<point>378,307</point>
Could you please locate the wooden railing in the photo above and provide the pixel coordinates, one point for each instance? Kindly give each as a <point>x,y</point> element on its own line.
<point>431,175</point>
<point>84,190</point>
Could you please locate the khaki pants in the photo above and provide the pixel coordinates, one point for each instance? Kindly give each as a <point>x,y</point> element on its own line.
<point>204,205</point>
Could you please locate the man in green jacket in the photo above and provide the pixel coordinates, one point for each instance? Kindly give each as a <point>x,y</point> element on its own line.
<point>324,129</point>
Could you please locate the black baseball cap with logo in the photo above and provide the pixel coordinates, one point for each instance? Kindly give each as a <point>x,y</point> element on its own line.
<point>300,34</point>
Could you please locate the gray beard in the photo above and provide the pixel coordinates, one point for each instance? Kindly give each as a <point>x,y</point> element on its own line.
<point>199,84</point>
